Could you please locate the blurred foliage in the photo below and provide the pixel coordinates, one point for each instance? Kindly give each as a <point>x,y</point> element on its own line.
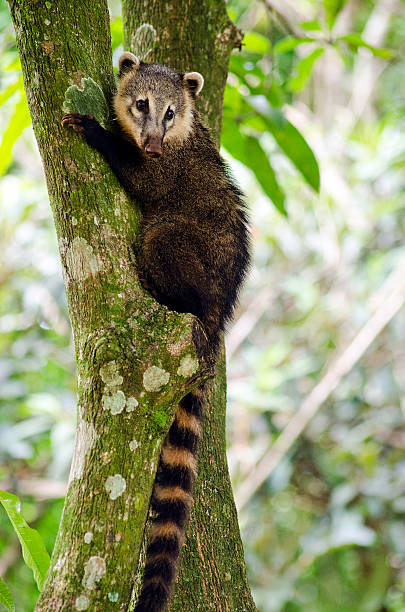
<point>314,124</point>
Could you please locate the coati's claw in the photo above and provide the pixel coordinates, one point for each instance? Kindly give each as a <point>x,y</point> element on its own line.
<point>74,121</point>
<point>77,122</point>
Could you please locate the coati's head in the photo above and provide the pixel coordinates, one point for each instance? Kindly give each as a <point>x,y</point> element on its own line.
<point>154,104</point>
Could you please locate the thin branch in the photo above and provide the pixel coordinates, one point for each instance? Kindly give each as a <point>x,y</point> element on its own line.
<point>39,488</point>
<point>389,299</point>
<point>286,16</point>
<point>367,68</point>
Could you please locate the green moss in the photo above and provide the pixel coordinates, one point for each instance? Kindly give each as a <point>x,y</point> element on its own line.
<point>139,501</point>
<point>160,417</point>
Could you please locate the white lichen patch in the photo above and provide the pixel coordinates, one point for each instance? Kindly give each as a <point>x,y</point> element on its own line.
<point>133,445</point>
<point>81,262</point>
<point>82,603</point>
<point>88,536</point>
<point>132,403</point>
<point>63,245</point>
<point>113,596</point>
<point>143,40</point>
<point>84,441</point>
<point>155,378</point>
<point>115,486</point>
<point>110,374</point>
<point>74,221</point>
<point>60,562</point>
<point>115,403</point>
<point>94,570</point>
<point>188,366</point>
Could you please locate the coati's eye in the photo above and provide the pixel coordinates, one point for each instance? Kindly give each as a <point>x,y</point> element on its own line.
<point>142,105</point>
<point>169,114</point>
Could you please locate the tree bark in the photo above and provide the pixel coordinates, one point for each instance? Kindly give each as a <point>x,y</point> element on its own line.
<point>135,359</point>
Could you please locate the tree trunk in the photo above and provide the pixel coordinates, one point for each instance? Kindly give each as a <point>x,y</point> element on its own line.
<point>135,359</point>
<point>198,35</point>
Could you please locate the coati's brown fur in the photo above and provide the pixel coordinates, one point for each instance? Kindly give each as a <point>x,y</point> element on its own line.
<point>192,256</point>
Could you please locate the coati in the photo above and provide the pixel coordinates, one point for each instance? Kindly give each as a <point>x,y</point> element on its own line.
<point>192,256</point>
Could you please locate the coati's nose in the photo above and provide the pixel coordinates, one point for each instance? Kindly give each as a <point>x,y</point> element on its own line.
<point>154,147</point>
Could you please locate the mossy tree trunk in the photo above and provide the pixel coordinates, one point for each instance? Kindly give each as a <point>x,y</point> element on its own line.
<point>135,359</point>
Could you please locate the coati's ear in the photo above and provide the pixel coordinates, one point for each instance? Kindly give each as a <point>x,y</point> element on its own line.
<point>127,61</point>
<point>194,82</point>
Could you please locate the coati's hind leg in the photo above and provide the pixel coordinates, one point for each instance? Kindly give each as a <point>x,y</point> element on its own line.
<point>147,285</point>
<point>171,269</point>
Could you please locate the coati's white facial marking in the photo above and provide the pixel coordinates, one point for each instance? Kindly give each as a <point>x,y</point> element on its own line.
<point>154,104</point>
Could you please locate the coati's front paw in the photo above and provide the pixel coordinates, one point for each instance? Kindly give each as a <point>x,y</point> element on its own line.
<point>82,124</point>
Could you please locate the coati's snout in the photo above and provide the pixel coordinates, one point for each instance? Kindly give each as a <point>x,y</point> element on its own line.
<point>153,146</point>
<point>155,104</point>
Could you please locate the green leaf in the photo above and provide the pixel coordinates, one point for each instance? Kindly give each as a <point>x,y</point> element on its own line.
<point>332,9</point>
<point>257,42</point>
<point>289,43</point>
<point>247,150</point>
<point>88,100</point>
<point>10,90</point>
<point>34,552</point>
<point>14,64</point>
<point>6,597</point>
<point>303,70</point>
<point>288,138</point>
<point>274,94</point>
<point>237,67</point>
<point>356,41</point>
<point>18,122</point>
<point>311,26</point>
<point>375,587</point>
<point>264,173</point>
<point>116,32</point>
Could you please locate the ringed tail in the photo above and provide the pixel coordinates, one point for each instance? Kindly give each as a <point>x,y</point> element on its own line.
<point>171,501</point>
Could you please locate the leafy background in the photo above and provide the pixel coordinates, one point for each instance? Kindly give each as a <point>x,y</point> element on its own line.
<point>314,131</point>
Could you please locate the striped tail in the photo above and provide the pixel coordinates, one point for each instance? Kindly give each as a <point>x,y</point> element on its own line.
<point>171,500</point>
